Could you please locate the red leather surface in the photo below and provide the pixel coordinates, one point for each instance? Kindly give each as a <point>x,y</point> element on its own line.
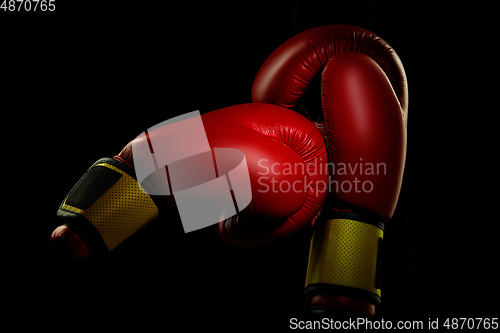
<point>366,128</point>
<point>286,158</point>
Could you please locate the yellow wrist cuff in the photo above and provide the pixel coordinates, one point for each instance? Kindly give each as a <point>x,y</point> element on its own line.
<point>112,201</point>
<point>344,259</point>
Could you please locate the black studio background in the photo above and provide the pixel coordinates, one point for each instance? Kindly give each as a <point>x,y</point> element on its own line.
<point>89,77</point>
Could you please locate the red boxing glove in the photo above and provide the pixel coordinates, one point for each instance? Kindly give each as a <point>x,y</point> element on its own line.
<point>358,82</point>
<point>285,155</point>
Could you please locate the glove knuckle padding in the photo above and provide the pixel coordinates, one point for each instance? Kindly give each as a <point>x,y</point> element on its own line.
<point>288,75</point>
<point>286,159</point>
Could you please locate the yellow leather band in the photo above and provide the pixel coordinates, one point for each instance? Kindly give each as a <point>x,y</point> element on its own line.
<point>118,213</point>
<point>344,253</point>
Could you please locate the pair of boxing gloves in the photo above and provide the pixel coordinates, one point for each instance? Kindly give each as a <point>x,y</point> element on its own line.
<point>344,165</point>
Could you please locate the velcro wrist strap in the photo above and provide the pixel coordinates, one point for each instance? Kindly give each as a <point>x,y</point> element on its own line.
<point>344,259</point>
<point>107,206</point>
